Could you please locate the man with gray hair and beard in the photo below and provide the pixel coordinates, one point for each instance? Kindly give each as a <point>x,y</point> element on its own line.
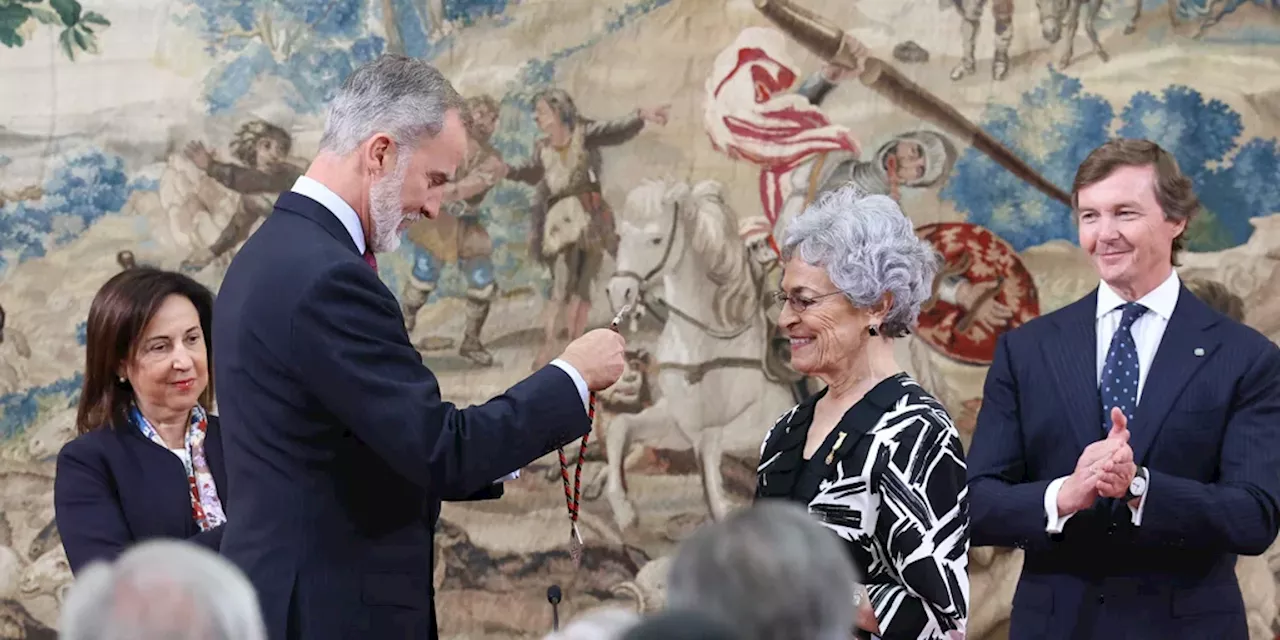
<point>162,590</point>
<point>769,572</point>
<point>338,445</point>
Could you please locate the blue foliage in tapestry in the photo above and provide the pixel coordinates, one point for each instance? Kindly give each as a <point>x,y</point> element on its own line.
<point>82,189</point>
<point>311,45</point>
<point>20,410</point>
<point>1201,135</point>
<point>1055,126</point>
<point>466,12</point>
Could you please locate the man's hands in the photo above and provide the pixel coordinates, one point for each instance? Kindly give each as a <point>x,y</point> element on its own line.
<point>1114,481</point>
<point>599,356</point>
<point>1104,469</point>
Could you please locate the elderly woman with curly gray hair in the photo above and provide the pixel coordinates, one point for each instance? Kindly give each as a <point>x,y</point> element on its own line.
<point>874,457</point>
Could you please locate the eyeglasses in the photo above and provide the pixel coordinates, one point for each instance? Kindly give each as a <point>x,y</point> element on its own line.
<point>798,303</point>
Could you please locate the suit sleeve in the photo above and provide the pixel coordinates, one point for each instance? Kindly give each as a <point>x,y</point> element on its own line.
<point>86,509</point>
<point>1240,513</point>
<point>350,347</point>
<point>927,542</point>
<point>1006,509</point>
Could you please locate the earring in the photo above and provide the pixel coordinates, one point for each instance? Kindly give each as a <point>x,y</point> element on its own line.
<point>872,331</point>
<point>122,380</point>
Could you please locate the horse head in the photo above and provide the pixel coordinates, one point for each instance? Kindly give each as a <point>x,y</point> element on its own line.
<point>650,241</point>
<point>663,223</point>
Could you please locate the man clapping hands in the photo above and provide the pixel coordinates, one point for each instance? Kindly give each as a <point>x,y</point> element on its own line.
<point>1105,469</point>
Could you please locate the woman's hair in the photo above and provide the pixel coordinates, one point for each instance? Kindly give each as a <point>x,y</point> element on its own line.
<point>119,314</point>
<point>869,248</point>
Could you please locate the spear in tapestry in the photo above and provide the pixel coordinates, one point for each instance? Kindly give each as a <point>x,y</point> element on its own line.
<point>825,39</point>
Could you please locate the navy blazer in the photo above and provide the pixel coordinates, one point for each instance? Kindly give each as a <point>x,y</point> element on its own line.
<point>1208,430</point>
<point>339,447</point>
<point>115,487</point>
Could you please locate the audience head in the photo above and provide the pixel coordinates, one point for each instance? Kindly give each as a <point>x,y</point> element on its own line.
<point>680,625</point>
<point>769,572</point>
<point>147,341</point>
<point>601,624</point>
<point>162,590</point>
<point>1133,206</point>
<point>400,130</point>
<point>854,271</point>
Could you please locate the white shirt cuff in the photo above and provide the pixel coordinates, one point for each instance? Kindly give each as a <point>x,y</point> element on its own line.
<point>1142,503</point>
<point>578,380</point>
<point>1055,522</point>
<point>514,475</point>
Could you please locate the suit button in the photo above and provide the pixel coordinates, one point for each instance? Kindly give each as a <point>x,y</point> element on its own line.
<point>1102,599</point>
<point>1111,528</point>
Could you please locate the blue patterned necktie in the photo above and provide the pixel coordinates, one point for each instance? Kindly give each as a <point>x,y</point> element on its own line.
<point>1119,384</point>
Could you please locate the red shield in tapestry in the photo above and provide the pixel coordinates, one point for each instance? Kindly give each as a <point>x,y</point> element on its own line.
<point>982,291</point>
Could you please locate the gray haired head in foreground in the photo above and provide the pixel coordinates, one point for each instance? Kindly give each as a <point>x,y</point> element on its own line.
<point>770,572</point>
<point>163,589</point>
<point>600,624</point>
<point>869,248</point>
<point>404,97</point>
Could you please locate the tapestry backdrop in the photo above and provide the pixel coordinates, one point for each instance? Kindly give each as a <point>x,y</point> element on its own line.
<point>140,132</point>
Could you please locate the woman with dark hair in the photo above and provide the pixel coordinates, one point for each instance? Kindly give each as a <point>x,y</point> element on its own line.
<point>148,459</point>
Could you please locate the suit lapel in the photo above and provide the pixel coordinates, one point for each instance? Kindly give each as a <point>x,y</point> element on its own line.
<point>162,474</point>
<point>1174,365</point>
<point>1073,360</point>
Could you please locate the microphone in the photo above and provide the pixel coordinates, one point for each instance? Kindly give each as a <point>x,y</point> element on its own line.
<point>553,596</point>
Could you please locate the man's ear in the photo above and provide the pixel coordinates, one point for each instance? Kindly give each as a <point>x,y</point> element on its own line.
<point>378,154</point>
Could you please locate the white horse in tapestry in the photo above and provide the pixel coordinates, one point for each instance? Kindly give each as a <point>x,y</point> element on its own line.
<point>709,355</point>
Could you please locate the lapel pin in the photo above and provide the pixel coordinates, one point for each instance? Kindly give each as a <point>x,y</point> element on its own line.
<point>1199,351</point>
<point>839,441</point>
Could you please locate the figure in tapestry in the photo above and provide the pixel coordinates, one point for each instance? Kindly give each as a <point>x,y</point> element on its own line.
<point>572,225</point>
<point>459,236</point>
<point>263,150</point>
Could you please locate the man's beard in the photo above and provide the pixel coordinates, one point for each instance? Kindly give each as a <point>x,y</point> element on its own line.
<point>387,210</point>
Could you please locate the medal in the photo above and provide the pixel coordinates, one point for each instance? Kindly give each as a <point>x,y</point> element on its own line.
<point>575,546</point>
<point>572,495</point>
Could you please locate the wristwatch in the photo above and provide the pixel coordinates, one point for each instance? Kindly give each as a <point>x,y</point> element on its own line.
<point>1137,486</point>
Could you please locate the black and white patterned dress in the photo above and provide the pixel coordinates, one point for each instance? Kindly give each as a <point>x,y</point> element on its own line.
<point>890,481</point>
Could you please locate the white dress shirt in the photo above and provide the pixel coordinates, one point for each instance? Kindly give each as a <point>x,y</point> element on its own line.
<point>310,188</point>
<point>1147,332</point>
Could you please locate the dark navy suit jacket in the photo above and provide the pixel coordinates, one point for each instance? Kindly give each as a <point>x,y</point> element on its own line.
<point>1208,430</point>
<point>338,443</point>
<point>114,487</point>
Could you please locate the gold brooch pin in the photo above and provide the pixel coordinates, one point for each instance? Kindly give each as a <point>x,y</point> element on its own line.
<point>839,440</point>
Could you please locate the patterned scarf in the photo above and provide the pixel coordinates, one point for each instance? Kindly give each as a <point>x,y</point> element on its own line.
<point>206,508</point>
